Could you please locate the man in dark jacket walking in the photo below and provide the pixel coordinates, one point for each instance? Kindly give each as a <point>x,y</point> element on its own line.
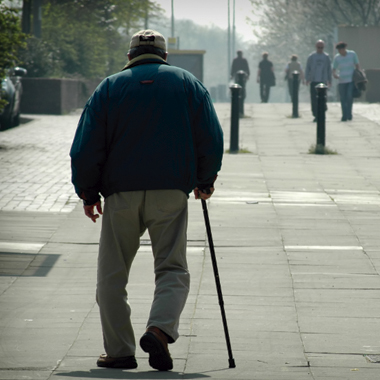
<point>266,77</point>
<point>239,63</point>
<point>147,137</point>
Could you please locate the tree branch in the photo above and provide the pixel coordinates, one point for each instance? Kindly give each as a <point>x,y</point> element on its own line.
<point>342,12</point>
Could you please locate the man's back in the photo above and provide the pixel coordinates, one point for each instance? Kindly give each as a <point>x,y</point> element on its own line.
<point>266,70</point>
<point>239,63</point>
<point>152,117</point>
<point>294,66</point>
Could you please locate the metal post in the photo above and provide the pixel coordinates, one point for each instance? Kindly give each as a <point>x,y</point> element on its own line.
<point>146,24</point>
<point>173,19</point>
<point>234,138</point>
<point>295,85</point>
<point>233,27</point>
<point>240,79</point>
<point>321,89</point>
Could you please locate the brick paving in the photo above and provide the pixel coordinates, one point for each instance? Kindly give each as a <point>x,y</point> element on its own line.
<point>35,164</point>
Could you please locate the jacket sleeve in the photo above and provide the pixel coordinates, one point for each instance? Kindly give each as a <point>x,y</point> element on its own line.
<point>356,59</point>
<point>247,67</point>
<point>308,69</point>
<point>88,151</point>
<point>329,73</point>
<point>209,143</point>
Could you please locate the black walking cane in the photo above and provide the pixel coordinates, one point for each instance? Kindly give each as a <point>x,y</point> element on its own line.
<point>231,360</point>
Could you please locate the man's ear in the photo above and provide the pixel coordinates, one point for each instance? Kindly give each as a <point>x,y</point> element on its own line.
<point>129,57</point>
<point>166,56</point>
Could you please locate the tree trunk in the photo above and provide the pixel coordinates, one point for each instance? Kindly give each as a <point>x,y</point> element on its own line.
<point>26,16</point>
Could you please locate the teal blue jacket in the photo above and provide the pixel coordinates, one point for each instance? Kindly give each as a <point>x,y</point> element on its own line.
<point>149,127</point>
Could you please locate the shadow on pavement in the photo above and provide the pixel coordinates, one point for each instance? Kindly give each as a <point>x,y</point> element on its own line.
<point>16,264</point>
<point>24,120</point>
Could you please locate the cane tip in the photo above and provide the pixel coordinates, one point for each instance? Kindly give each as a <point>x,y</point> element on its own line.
<point>232,363</point>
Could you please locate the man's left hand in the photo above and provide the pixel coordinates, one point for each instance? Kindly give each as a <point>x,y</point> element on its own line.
<point>89,211</point>
<point>199,194</point>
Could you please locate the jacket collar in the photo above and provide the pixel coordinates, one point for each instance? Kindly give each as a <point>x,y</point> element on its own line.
<point>144,58</point>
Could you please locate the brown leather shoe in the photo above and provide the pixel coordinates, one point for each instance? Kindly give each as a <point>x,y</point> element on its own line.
<point>155,342</point>
<point>126,362</point>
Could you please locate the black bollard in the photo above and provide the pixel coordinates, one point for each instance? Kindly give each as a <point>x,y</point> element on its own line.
<point>234,137</point>
<point>295,85</point>
<point>321,89</point>
<point>240,79</point>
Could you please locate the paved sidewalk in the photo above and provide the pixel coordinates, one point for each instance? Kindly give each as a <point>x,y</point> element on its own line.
<point>297,242</point>
<point>35,166</point>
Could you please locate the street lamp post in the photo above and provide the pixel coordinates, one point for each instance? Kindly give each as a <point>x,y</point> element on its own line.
<point>229,42</point>
<point>173,19</point>
<point>233,28</point>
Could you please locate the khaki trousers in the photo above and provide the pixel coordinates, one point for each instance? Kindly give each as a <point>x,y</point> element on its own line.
<point>126,217</point>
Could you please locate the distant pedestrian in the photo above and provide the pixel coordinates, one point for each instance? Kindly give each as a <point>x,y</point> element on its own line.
<point>346,61</point>
<point>291,67</point>
<point>318,70</point>
<point>147,137</point>
<point>266,77</point>
<point>239,63</point>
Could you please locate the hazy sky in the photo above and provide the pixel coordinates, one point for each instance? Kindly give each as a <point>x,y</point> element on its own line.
<point>207,12</point>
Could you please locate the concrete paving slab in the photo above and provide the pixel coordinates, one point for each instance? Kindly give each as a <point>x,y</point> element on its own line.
<point>349,374</point>
<point>77,229</point>
<point>359,327</point>
<point>345,309</point>
<point>263,367</point>
<point>355,267</point>
<point>370,244</point>
<point>337,281</point>
<point>249,302</point>
<point>310,238</point>
<point>248,236</point>
<point>325,256</point>
<point>34,373</point>
<point>340,225</point>
<point>307,211</point>
<point>339,343</point>
<point>256,256</point>
<point>336,360</point>
<point>29,227</point>
<point>335,295</point>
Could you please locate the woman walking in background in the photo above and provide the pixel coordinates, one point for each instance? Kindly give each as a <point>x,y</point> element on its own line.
<point>292,66</point>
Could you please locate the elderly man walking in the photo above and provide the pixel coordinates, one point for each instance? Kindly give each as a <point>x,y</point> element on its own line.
<point>147,137</point>
<point>318,70</point>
